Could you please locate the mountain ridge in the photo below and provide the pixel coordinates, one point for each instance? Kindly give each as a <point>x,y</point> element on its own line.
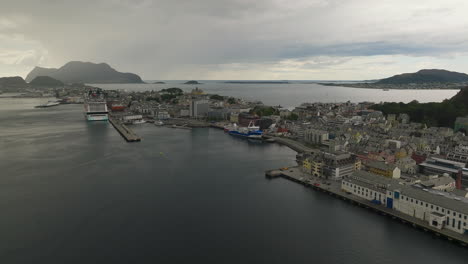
<point>85,72</point>
<point>426,76</point>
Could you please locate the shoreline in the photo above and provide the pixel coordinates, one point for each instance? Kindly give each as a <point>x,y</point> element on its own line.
<point>333,188</point>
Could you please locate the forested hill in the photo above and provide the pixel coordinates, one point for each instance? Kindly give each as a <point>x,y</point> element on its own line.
<point>426,76</point>
<point>432,114</point>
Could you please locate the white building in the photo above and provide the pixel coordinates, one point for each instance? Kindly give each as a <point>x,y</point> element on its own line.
<point>199,108</point>
<point>315,136</point>
<point>439,209</point>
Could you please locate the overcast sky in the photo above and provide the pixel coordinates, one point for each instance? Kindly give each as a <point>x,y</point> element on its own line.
<point>237,39</point>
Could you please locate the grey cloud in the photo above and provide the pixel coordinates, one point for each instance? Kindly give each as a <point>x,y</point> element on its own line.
<point>156,38</point>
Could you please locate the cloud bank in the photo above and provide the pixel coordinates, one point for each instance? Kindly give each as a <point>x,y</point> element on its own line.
<point>237,39</point>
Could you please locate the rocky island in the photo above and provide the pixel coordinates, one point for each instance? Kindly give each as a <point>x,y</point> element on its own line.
<point>192,82</point>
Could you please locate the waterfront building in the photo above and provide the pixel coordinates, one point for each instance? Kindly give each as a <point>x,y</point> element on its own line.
<point>199,108</point>
<point>315,136</point>
<point>383,169</point>
<point>331,165</point>
<point>338,165</point>
<point>459,153</point>
<point>435,165</point>
<point>439,209</point>
<point>162,115</point>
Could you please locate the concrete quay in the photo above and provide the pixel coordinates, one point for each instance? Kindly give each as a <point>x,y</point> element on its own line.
<point>193,123</point>
<point>292,144</point>
<point>124,131</point>
<point>333,188</point>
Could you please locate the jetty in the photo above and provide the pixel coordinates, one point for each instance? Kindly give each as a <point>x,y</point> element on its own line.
<point>333,188</point>
<point>124,131</point>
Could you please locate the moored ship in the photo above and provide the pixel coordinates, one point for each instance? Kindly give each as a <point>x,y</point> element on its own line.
<point>95,106</point>
<point>251,131</point>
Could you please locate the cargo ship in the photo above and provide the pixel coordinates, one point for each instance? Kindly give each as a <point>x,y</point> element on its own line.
<point>251,131</point>
<point>95,106</point>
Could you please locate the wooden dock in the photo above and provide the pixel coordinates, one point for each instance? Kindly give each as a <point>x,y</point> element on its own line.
<point>124,131</point>
<point>334,189</point>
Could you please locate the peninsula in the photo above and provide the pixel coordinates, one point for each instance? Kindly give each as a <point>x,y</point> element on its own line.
<point>423,79</point>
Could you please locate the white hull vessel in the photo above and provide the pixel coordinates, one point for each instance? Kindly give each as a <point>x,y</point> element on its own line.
<point>95,106</point>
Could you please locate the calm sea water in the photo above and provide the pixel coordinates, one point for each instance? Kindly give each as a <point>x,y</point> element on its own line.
<point>74,192</point>
<point>293,94</point>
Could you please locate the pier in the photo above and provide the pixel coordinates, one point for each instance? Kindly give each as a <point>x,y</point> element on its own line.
<point>124,131</point>
<point>333,188</point>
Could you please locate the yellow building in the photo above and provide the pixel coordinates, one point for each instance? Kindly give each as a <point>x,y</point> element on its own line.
<point>357,164</point>
<point>401,154</point>
<point>384,169</point>
<point>312,167</point>
<point>306,166</point>
<point>197,91</point>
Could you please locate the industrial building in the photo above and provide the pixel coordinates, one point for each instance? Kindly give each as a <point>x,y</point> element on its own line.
<point>441,210</point>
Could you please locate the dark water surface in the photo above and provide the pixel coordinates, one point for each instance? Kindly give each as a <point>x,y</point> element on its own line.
<point>75,192</point>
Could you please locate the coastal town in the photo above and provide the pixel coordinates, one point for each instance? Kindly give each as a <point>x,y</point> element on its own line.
<point>387,160</point>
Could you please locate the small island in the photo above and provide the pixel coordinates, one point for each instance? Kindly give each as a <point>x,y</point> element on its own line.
<point>192,82</point>
<point>159,83</point>
<point>257,82</point>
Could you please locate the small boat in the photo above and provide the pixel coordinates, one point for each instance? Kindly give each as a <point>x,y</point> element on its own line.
<point>48,104</point>
<point>158,123</point>
<point>182,127</point>
<point>137,122</point>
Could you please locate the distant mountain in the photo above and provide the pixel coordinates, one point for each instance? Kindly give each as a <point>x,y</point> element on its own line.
<point>39,71</point>
<point>46,81</point>
<point>12,82</point>
<point>426,76</point>
<point>85,72</point>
